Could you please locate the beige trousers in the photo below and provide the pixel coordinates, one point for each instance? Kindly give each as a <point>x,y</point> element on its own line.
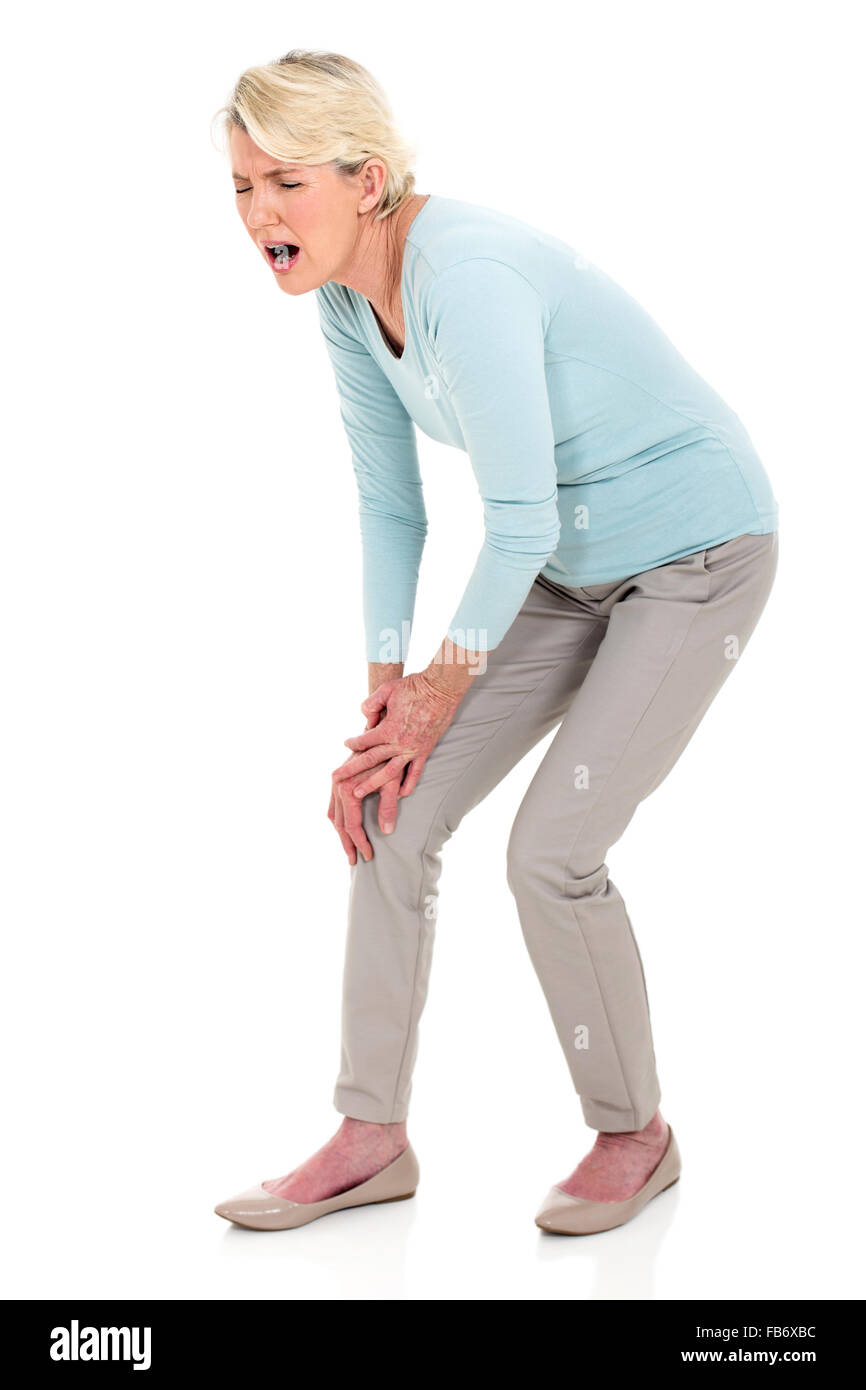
<point>627,670</point>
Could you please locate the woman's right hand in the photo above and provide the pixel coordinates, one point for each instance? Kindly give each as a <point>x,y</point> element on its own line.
<point>344,810</point>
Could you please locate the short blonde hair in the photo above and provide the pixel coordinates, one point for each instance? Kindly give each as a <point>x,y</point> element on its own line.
<point>312,107</point>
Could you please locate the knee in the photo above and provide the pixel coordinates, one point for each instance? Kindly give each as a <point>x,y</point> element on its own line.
<point>540,860</point>
<point>524,859</point>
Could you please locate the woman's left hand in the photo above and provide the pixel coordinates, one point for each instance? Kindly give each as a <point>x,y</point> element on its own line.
<point>416,715</point>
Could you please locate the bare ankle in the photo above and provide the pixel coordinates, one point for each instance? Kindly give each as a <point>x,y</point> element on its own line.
<point>368,1136</point>
<point>656,1128</point>
<point>653,1132</point>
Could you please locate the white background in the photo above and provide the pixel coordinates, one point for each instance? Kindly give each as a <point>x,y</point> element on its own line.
<point>183,658</point>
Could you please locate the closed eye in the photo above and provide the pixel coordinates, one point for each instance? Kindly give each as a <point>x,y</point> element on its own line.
<point>282,185</point>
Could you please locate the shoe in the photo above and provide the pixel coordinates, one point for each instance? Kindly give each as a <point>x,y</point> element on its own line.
<point>261,1210</point>
<point>564,1215</point>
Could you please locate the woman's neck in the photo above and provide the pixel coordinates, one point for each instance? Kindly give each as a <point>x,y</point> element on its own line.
<point>379,276</point>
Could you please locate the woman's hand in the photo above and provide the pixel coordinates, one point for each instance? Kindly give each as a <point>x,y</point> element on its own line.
<point>413,714</point>
<point>346,815</point>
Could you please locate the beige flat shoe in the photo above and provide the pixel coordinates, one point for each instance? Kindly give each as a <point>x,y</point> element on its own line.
<point>564,1215</point>
<point>263,1211</point>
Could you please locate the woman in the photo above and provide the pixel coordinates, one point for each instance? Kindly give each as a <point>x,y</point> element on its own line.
<point>630,546</point>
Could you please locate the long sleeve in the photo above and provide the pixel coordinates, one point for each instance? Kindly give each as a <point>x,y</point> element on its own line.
<point>393,518</point>
<point>487,326</point>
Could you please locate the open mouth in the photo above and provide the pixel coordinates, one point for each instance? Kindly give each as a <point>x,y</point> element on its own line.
<point>282,254</point>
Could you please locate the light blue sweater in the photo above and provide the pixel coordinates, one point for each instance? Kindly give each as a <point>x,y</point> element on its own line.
<point>598,451</point>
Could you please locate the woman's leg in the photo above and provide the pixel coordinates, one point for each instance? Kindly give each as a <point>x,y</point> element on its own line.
<point>673,637</point>
<point>530,680</point>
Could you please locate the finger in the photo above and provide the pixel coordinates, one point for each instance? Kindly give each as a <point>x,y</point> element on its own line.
<point>355,828</point>
<point>346,760</point>
<point>377,779</point>
<point>378,697</point>
<point>349,847</point>
<point>353,821</point>
<point>339,816</point>
<point>362,762</point>
<point>335,814</point>
<point>413,772</point>
<point>359,743</point>
<point>388,806</point>
<point>350,742</point>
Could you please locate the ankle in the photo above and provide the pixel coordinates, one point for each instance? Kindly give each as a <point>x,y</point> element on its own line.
<point>365,1136</point>
<point>653,1133</point>
<point>657,1129</point>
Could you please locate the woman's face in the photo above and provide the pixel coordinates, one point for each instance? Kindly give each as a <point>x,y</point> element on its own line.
<point>310,208</point>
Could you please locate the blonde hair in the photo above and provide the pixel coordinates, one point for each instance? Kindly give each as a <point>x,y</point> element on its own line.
<point>312,107</point>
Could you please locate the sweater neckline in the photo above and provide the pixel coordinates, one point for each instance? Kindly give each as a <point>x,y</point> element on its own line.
<point>368,308</point>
